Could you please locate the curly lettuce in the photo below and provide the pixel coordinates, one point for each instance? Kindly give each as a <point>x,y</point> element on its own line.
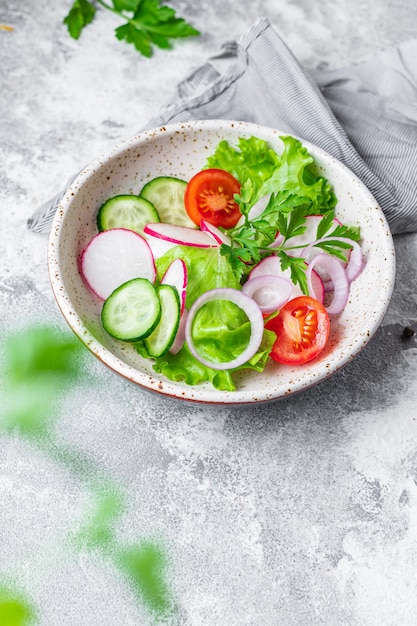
<point>293,171</point>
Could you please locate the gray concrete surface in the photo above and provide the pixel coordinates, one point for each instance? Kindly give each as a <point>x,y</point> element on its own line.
<point>301,512</point>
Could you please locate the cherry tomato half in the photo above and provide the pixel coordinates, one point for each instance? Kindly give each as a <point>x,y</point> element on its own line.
<point>302,327</point>
<point>209,196</point>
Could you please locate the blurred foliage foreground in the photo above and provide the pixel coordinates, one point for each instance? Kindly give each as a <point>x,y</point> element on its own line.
<point>40,366</point>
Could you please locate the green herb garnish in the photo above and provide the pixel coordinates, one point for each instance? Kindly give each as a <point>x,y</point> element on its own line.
<point>147,22</point>
<point>295,189</point>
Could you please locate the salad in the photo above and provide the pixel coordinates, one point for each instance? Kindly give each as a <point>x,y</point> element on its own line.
<point>242,264</point>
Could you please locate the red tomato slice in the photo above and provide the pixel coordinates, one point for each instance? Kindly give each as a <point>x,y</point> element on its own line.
<point>209,196</point>
<point>302,327</point>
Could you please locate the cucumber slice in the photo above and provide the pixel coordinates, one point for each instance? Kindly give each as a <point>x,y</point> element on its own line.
<point>126,211</point>
<point>167,195</point>
<point>162,338</point>
<point>132,311</point>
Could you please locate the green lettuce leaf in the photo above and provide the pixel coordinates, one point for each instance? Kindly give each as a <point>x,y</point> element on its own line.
<point>221,330</point>
<point>293,171</point>
<point>207,269</point>
<point>298,174</point>
<point>252,159</point>
<point>184,367</point>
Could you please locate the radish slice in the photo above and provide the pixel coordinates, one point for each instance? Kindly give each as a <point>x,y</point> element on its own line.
<point>176,276</point>
<point>269,292</point>
<point>277,241</point>
<point>113,257</point>
<point>337,273</point>
<point>219,236</point>
<point>248,305</point>
<point>271,265</point>
<point>182,235</point>
<point>256,210</point>
<point>159,246</point>
<point>310,234</point>
<point>259,207</point>
<point>180,336</point>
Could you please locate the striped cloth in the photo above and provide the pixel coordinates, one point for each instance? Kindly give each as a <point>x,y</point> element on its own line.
<point>364,115</point>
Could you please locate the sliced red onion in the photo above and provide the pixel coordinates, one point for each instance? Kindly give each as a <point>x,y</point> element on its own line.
<point>271,265</point>
<point>269,292</point>
<point>355,263</point>
<point>244,302</point>
<point>218,235</point>
<point>355,258</point>
<point>333,266</point>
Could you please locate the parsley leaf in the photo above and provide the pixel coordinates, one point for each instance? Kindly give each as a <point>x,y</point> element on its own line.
<point>295,190</point>
<point>138,38</point>
<point>147,22</point>
<point>325,224</point>
<point>81,13</point>
<point>297,267</point>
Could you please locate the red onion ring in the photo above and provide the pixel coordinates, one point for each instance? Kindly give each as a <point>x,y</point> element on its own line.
<point>333,266</point>
<point>354,265</point>
<point>269,292</point>
<point>247,305</point>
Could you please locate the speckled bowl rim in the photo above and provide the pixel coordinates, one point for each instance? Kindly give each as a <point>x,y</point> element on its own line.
<point>306,376</point>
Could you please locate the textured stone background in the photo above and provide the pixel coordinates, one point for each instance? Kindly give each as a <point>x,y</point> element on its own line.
<point>301,512</point>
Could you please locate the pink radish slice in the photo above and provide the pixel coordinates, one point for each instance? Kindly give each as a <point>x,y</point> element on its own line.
<point>309,236</point>
<point>277,241</point>
<point>113,257</point>
<point>256,209</point>
<point>219,236</point>
<point>271,265</point>
<point>159,246</point>
<point>176,276</point>
<point>270,292</point>
<point>180,336</point>
<point>182,235</point>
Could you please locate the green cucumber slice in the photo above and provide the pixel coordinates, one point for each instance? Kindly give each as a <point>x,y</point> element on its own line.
<point>132,311</point>
<point>162,338</point>
<point>167,195</point>
<point>126,211</point>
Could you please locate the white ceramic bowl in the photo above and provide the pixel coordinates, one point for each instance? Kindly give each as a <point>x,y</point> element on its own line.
<point>181,150</point>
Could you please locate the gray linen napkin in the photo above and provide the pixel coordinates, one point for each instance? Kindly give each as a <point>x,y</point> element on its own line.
<point>365,115</point>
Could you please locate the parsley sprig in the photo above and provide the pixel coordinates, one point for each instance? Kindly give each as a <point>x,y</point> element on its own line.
<point>285,213</point>
<point>147,22</point>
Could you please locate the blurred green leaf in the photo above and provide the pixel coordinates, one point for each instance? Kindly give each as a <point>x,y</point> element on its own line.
<point>15,610</point>
<point>42,351</point>
<point>98,531</point>
<point>145,565</point>
<point>127,5</point>
<point>39,364</point>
